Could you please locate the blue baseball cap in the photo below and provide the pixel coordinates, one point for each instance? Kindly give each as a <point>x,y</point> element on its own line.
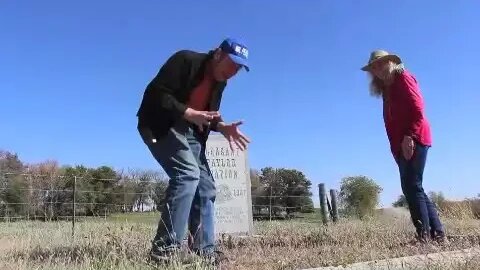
<point>237,51</point>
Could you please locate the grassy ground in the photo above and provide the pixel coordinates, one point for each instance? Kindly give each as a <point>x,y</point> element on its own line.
<point>121,242</point>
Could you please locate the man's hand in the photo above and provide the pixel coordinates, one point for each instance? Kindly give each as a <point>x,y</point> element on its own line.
<point>233,134</point>
<point>200,118</point>
<point>408,147</point>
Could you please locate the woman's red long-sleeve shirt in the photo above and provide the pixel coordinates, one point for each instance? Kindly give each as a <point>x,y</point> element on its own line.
<point>404,113</point>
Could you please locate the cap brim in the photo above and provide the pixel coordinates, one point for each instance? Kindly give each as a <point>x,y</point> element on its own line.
<point>392,57</point>
<point>240,61</point>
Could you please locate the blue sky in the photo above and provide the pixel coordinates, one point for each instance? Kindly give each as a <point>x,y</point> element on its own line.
<point>72,76</point>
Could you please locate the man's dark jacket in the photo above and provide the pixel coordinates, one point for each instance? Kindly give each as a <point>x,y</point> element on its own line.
<point>165,98</point>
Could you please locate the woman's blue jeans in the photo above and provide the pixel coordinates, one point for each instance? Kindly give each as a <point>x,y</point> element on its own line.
<point>423,212</point>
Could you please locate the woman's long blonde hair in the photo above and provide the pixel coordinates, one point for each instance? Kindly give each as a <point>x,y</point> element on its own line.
<point>379,86</point>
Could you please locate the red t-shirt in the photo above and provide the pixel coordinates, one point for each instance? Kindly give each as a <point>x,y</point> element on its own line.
<point>403,113</point>
<point>200,96</point>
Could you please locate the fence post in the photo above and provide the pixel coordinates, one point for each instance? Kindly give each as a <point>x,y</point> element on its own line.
<point>30,194</point>
<point>125,197</point>
<point>270,206</point>
<point>323,202</point>
<point>74,206</point>
<point>329,207</point>
<point>333,196</point>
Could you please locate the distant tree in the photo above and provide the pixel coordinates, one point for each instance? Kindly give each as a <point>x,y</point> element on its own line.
<point>255,179</point>
<point>105,181</point>
<point>284,189</point>
<point>48,190</point>
<point>360,195</point>
<point>13,186</point>
<point>10,163</point>
<point>259,192</point>
<point>401,202</point>
<point>96,189</point>
<point>85,196</point>
<point>15,196</point>
<point>159,189</point>
<point>437,198</point>
<point>146,188</point>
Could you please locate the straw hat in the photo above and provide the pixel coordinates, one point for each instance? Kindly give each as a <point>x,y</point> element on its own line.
<point>381,55</point>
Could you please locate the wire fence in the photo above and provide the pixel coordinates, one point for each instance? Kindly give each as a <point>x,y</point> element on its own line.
<point>50,197</point>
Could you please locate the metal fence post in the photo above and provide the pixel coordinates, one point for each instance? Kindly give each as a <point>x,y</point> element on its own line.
<point>333,196</point>
<point>323,203</point>
<point>270,206</point>
<point>124,197</point>
<point>7,219</point>
<point>74,206</point>
<point>30,194</point>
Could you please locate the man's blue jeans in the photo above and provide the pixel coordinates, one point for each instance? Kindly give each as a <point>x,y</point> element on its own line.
<point>423,212</point>
<point>190,195</point>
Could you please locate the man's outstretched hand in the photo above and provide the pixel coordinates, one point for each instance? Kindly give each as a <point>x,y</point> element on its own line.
<point>233,134</point>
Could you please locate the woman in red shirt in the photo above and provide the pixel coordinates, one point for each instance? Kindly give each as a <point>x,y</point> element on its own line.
<point>408,132</point>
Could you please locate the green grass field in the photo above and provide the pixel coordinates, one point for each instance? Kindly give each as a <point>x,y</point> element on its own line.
<point>122,241</point>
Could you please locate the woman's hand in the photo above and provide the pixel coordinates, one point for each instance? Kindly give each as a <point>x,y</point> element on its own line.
<point>408,147</point>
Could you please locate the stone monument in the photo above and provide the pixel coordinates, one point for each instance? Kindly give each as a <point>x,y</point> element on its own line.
<point>233,204</point>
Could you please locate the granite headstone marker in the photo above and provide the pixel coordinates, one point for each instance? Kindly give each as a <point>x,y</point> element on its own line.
<point>230,169</point>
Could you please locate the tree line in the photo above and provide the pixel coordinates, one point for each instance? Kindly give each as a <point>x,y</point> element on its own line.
<point>45,191</point>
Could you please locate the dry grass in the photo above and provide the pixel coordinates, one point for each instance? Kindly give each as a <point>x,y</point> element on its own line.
<point>279,245</point>
<point>459,210</point>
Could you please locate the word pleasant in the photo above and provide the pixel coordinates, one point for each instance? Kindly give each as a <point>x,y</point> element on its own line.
<point>216,151</point>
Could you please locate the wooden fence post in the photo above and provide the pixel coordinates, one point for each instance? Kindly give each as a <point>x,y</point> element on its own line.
<point>333,196</point>
<point>323,203</point>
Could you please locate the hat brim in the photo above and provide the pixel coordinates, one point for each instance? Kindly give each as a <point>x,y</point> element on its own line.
<point>240,61</point>
<point>392,57</point>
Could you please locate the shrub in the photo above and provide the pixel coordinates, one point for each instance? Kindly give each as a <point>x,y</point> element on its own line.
<point>359,195</point>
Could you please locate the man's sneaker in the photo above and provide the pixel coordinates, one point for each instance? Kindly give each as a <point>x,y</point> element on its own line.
<point>421,237</point>
<point>159,257</point>
<point>440,238</point>
<point>215,258</point>
<point>172,255</point>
